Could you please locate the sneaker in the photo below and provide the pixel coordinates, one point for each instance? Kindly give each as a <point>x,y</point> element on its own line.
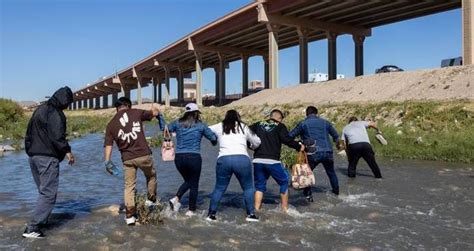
<point>190,213</point>
<point>252,218</point>
<point>150,203</point>
<point>174,204</point>
<point>335,191</point>
<point>309,198</point>
<point>211,217</point>
<point>131,221</point>
<point>37,234</point>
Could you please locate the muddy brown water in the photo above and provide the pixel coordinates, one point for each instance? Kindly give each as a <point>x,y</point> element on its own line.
<point>418,205</point>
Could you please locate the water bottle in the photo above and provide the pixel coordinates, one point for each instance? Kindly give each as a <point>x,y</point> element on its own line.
<point>111,168</point>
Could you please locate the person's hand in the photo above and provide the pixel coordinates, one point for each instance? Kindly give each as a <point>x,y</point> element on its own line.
<point>302,147</point>
<point>155,110</point>
<point>70,158</point>
<point>111,168</point>
<point>341,145</point>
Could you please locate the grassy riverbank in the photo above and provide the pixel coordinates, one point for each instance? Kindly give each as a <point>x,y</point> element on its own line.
<point>415,130</point>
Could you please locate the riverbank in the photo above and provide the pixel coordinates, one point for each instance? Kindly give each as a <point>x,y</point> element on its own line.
<point>415,130</point>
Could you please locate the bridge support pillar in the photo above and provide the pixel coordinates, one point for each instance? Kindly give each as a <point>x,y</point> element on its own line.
<point>160,96</point>
<point>105,101</point>
<point>245,75</point>
<point>273,55</point>
<point>167,87</point>
<point>155,97</point>
<point>139,91</point>
<point>114,98</point>
<point>332,55</point>
<point>97,103</point>
<point>266,75</point>
<point>198,78</point>
<point>180,88</point>
<point>303,46</point>
<point>468,32</point>
<point>221,97</point>
<point>359,54</point>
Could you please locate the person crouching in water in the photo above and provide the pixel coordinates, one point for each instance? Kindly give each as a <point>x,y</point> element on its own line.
<point>233,135</point>
<point>126,129</point>
<point>272,133</point>
<point>358,145</point>
<point>189,131</point>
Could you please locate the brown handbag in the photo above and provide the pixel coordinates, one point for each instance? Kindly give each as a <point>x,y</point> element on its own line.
<point>301,174</point>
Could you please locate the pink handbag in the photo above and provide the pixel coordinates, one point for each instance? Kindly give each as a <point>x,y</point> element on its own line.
<point>167,147</point>
<point>301,174</point>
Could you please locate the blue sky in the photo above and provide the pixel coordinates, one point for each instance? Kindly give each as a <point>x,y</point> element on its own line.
<point>49,43</point>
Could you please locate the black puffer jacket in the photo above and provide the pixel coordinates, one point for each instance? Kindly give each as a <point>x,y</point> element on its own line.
<point>46,133</point>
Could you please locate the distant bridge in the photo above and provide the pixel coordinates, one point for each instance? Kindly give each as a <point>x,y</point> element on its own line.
<point>261,29</point>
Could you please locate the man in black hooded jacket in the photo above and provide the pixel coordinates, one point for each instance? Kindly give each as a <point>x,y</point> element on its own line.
<point>46,145</point>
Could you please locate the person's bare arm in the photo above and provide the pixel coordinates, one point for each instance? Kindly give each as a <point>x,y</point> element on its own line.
<point>155,110</point>
<point>107,152</point>
<point>373,125</point>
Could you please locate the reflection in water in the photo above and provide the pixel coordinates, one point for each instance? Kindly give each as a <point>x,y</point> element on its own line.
<point>418,205</point>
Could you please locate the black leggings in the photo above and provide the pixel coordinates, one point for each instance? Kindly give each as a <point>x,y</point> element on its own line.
<point>189,166</point>
<point>364,150</point>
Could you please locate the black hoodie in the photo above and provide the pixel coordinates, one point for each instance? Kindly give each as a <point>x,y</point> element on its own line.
<point>272,135</point>
<point>46,133</point>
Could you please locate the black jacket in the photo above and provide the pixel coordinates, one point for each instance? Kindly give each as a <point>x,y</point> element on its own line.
<point>46,133</point>
<point>272,135</point>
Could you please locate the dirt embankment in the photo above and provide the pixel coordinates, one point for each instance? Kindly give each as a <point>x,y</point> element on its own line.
<point>443,84</point>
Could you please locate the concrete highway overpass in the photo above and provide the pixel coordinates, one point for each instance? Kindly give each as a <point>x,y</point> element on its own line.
<point>261,29</point>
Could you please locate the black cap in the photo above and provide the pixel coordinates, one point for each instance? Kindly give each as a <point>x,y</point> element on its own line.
<point>123,101</point>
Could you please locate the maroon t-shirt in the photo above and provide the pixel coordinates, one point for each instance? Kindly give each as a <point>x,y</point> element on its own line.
<point>126,129</point>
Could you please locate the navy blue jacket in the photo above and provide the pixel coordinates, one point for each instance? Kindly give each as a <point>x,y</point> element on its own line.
<point>316,128</point>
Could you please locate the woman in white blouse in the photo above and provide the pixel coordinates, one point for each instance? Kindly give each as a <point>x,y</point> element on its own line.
<point>233,135</point>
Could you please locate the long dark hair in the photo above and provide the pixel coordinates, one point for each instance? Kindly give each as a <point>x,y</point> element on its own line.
<point>190,118</point>
<point>232,118</point>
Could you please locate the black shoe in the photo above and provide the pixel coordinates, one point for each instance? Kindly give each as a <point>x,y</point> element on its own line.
<point>36,234</point>
<point>351,176</point>
<point>309,198</point>
<point>335,191</point>
<point>211,217</point>
<point>252,218</point>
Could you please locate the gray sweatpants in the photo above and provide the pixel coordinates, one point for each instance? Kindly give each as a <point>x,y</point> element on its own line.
<point>45,171</point>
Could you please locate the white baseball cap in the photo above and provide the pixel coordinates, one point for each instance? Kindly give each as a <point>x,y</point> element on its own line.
<point>191,107</point>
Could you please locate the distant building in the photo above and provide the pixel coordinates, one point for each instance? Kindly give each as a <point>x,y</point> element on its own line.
<point>256,84</point>
<point>189,89</point>
<point>321,77</point>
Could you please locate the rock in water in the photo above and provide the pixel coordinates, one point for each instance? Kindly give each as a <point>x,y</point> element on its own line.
<point>5,148</point>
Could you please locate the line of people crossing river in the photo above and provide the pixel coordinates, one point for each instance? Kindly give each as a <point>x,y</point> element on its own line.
<point>47,146</point>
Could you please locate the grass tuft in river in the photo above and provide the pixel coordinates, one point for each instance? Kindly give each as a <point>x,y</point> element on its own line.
<point>148,215</point>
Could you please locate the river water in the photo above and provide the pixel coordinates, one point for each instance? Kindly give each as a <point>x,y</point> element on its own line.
<point>418,205</point>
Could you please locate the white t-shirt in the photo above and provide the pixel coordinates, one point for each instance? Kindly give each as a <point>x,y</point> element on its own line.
<point>235,143</point>
<point>356,132</point>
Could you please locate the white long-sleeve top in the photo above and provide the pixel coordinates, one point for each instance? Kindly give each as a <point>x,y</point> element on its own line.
<point>235,143</point>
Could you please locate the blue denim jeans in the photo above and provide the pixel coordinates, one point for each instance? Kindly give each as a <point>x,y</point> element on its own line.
<point>327,160</point>
<point>241,166</point>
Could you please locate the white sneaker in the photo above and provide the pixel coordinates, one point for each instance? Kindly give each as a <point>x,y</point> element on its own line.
<point>150,203</point>
<point>174,204</point>
<point>190,213</point>
<point>131,221</point>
